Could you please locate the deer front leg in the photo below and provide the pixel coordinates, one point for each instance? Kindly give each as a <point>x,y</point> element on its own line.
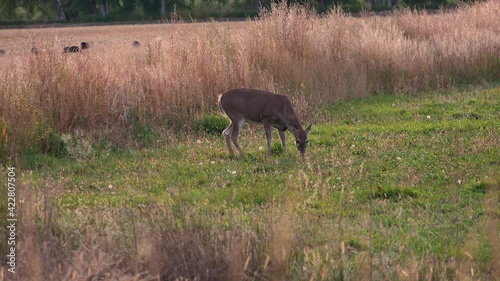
<point>283,139</point>
<point>269,135</point>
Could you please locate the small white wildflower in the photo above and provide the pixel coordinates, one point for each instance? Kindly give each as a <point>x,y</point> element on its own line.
<point>212,162</point>
<point>338,178</point>
<point>110,186</point>
<point>459,181</point>
<point>229,171</point>
<point>198,141</point>
<point>353,146</point>
<point>428,117</point>
<point>261,148</point>
<point>233,172</point>
<point>201,164</point>
<point>399,158</point>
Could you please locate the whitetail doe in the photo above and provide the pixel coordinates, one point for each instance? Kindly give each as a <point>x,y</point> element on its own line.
<point>261,107</point>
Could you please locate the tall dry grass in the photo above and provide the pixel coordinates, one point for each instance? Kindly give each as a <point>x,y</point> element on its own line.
<point>151,243</point>
<point>178,75</point>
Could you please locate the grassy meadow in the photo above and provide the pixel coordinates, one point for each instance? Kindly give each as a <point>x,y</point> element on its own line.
<point>122,173</point>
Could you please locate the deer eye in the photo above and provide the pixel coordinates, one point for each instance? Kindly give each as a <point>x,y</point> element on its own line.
<point>307,141</point>
<point>297,142</point>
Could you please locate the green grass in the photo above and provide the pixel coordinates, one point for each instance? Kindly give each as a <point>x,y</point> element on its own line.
<point>382,174</point>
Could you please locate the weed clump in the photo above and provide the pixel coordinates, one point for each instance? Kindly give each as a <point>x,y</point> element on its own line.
<point>145,135</point>
<point>276,148</point>
<point>478,187</point>
<point>389,193</point>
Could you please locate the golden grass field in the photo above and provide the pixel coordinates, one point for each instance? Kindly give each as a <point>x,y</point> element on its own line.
<point>110,39</point>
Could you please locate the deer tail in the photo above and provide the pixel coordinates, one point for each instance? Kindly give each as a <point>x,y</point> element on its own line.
<point>220,105</point>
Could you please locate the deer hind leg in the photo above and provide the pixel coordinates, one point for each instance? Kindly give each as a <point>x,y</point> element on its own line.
<point>283,139</point>
<point>227,137</point>
<point>234,133</point>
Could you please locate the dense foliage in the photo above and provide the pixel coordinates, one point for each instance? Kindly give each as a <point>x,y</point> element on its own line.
<point>109,10</point>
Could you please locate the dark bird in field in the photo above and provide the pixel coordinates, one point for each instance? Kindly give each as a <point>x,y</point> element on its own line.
<point>84,45</point>
<point>136,44</point>
<point>2,52</point>
<point>71,49</point>
<point>34,51</point>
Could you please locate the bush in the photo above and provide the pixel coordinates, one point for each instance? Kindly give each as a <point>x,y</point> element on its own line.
<point>211,124</point>
<point>54,145</point>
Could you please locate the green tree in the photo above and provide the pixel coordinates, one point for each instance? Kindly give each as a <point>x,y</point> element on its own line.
<point>7,8</point>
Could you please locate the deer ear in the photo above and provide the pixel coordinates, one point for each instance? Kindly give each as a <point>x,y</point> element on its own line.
<point>308,129</point>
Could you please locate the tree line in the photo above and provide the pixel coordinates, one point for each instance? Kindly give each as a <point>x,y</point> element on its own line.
<point>109,10</point>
